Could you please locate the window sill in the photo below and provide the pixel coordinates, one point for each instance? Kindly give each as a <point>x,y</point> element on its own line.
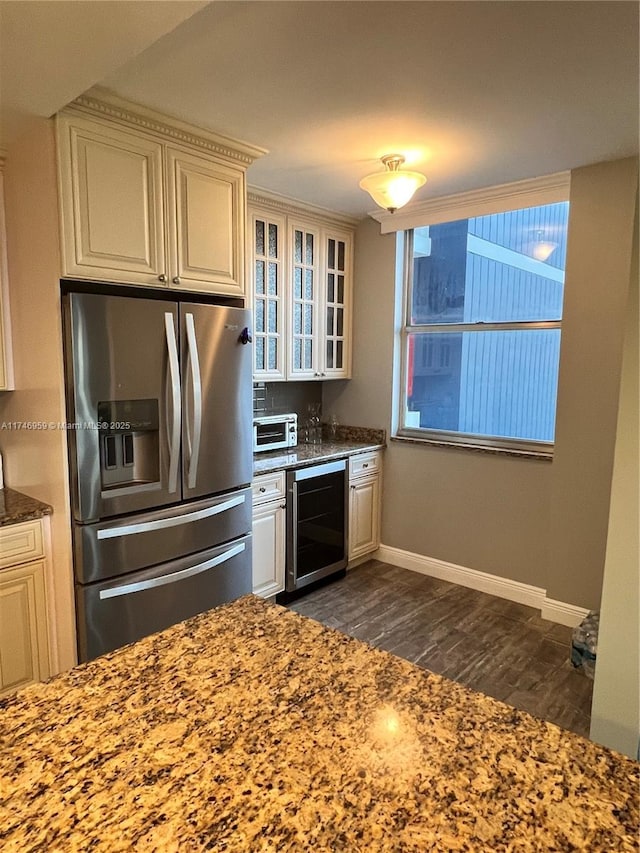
<point>538,455</point>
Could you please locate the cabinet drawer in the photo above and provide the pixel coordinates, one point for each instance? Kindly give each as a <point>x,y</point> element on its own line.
<point>364,463</point>
<point>20,543</point>
<point>268,487</point>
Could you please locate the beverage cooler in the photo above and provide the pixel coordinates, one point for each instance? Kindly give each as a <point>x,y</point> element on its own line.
<point>317,514</point>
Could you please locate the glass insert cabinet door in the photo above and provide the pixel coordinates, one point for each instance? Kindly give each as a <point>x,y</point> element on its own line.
<point>336,304</point>
<point>301,271</point>
<point>305,332</point>
<point>268,273</point>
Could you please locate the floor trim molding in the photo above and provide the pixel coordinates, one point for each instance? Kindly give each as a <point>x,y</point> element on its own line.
<point>522,593</point>
<point>560,611</point>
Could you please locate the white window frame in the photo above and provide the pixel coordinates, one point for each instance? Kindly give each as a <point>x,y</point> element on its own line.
<point>548,190</point>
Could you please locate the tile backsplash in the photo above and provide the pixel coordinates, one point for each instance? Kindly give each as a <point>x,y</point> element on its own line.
<point>278,398</point>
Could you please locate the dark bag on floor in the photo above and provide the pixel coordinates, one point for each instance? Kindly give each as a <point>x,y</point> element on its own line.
<point>584,643</point>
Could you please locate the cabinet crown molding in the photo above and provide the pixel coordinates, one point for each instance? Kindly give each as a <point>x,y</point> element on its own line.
<point>98,102</point>
<point>293,207</point>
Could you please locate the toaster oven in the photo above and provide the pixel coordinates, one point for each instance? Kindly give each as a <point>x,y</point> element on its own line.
<point>273,432</point>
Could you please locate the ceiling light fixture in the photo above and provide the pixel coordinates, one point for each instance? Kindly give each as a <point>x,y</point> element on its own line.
<point>392,189</point>
<point>542,249</point>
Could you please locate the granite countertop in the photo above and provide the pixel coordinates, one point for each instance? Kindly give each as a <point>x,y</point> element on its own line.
<point>349,440</point>
<point>16,507</point>
<point>251,728</point>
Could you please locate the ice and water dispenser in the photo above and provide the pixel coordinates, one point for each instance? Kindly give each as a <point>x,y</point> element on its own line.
<point>129,443</point>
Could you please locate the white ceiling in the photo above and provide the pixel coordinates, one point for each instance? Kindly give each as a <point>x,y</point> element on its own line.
<point>50,52</point>
<point>473,93</point>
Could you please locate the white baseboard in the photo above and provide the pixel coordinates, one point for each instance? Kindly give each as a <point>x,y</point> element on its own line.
<point>522,593</point>
<point>563,613</point>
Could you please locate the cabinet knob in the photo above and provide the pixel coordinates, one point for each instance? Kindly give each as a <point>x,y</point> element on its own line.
<point>353,488</point>
<point>283,506</point>
<point>176,279</point>
<point>162,278</point>
<point>263,489</point>
<point>365,464</point>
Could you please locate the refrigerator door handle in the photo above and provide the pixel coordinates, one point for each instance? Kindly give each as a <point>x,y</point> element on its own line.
<point>193,433</point>
<point>174,577</point>
<point>174,374</point>
<point>172,521</point>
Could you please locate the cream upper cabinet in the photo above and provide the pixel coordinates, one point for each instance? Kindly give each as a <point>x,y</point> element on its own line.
<point>320,301</point>
<point>336,304</point>
<point>148,200</point>
<point>300,266</point>
<point>267,270</point>
<point>205,204</point>
<point>305,310</point>
<point>111,190</point>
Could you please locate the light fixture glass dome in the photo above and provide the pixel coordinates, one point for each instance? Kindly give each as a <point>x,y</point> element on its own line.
<point>392,189</point>
<point>542,249</point>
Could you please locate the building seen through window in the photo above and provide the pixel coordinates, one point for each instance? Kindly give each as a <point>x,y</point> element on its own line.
<point>482,337</point>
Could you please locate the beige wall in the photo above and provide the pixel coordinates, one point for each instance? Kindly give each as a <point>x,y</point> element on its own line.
<point>35,460</point>
<point>615,715</point>
<point>601,227</point>
<point>365,399</point>
<point>493,513</point>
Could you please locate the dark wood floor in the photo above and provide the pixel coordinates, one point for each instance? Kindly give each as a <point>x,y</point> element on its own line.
<point>489,644</point>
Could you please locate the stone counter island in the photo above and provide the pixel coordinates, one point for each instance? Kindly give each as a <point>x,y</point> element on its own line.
<point>251,728</point>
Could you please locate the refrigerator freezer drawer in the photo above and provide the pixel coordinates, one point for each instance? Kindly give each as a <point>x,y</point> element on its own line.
<point>113,548</point>
<point>121,611</point>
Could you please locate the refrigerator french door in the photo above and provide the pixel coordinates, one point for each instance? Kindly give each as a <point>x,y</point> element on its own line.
<point>160,448</point>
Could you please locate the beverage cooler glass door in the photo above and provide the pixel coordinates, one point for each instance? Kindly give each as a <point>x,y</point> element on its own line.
<point>316,523</point>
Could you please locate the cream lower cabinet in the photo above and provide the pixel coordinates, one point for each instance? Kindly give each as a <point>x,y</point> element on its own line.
<point>269,530</point>
<point>24,649</point>
<point>364,504</point>
<point>150,201</point>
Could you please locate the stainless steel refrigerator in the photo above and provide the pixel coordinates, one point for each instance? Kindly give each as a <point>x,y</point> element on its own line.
<point>159,404</point>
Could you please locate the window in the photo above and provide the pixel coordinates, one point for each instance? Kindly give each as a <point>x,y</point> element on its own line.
<point>480,341</point>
